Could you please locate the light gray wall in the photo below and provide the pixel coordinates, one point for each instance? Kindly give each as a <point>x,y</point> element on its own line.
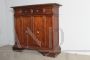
<point>6,24</point>
<point>2,23</point>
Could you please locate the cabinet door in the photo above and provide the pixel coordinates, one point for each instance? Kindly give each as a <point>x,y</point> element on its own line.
<point>22,24</point>
<point>30,36</point>
<point>27,24</point>
<point>43,31</point>
<point>38,31</point>
<point>20,39</point>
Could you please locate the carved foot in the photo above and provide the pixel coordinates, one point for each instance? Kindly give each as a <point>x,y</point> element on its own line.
<point>17,49</point>
<point>51,53</point>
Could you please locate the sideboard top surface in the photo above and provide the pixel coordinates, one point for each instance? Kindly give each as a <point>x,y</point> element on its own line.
<point>49,4</point>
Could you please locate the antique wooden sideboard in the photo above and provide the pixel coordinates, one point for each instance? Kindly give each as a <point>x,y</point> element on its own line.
<point>37,28</point>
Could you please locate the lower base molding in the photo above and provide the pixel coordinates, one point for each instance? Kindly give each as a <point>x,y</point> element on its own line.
<point>49,53</point>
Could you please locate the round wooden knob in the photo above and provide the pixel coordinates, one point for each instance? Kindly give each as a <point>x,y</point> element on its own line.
<point>31,11</point>
<point>37,10</point>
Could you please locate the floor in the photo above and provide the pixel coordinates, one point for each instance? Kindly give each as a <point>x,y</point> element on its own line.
<point>6,53</point>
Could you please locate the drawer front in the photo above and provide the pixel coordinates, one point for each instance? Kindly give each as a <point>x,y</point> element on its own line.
<point>37,11</point>
<point>30,11</point>
<point>23,11</point>
<point>26,11</point>
<point>45,10</point>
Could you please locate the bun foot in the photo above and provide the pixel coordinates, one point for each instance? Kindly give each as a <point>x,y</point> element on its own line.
<point>17,49</point>
<point>51,53</point>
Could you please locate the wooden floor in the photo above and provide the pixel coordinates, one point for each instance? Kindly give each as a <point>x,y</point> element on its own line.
<point>6,53</point>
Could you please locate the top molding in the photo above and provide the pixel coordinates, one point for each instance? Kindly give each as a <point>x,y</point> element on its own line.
<point>53,4</point>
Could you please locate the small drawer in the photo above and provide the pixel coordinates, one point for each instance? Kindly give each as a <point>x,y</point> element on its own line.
<point>37,11</point>
<point>18,11</point>
<point>42,10</point>
<point>27,11</point>
<point>24,11</point>
<point>47,10</point>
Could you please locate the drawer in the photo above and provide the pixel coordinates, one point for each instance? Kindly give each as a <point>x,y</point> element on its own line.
<point>27,11</point>
<point>47,10</point>
<point>42,10</point>
<point>23,11</point>
<point>37,11</point>
<point>30,11</point>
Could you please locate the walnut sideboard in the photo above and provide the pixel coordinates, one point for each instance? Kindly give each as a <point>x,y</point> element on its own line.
<point>37,28</point>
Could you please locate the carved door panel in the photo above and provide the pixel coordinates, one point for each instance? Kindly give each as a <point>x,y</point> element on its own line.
<point>27,25</point>
<point>38,31</point>
<point>43,31</point>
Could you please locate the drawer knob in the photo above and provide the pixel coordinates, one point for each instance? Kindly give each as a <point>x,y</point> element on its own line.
<point>44,10</point>
<point>37,10</point>
<point>31,11</point>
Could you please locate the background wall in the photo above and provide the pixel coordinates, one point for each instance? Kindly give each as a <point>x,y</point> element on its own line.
<point>5,25</point>
<point>74,23</point>
<point>2,22</point>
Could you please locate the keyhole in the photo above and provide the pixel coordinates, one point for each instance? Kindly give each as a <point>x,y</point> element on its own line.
<point>38,32</point>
